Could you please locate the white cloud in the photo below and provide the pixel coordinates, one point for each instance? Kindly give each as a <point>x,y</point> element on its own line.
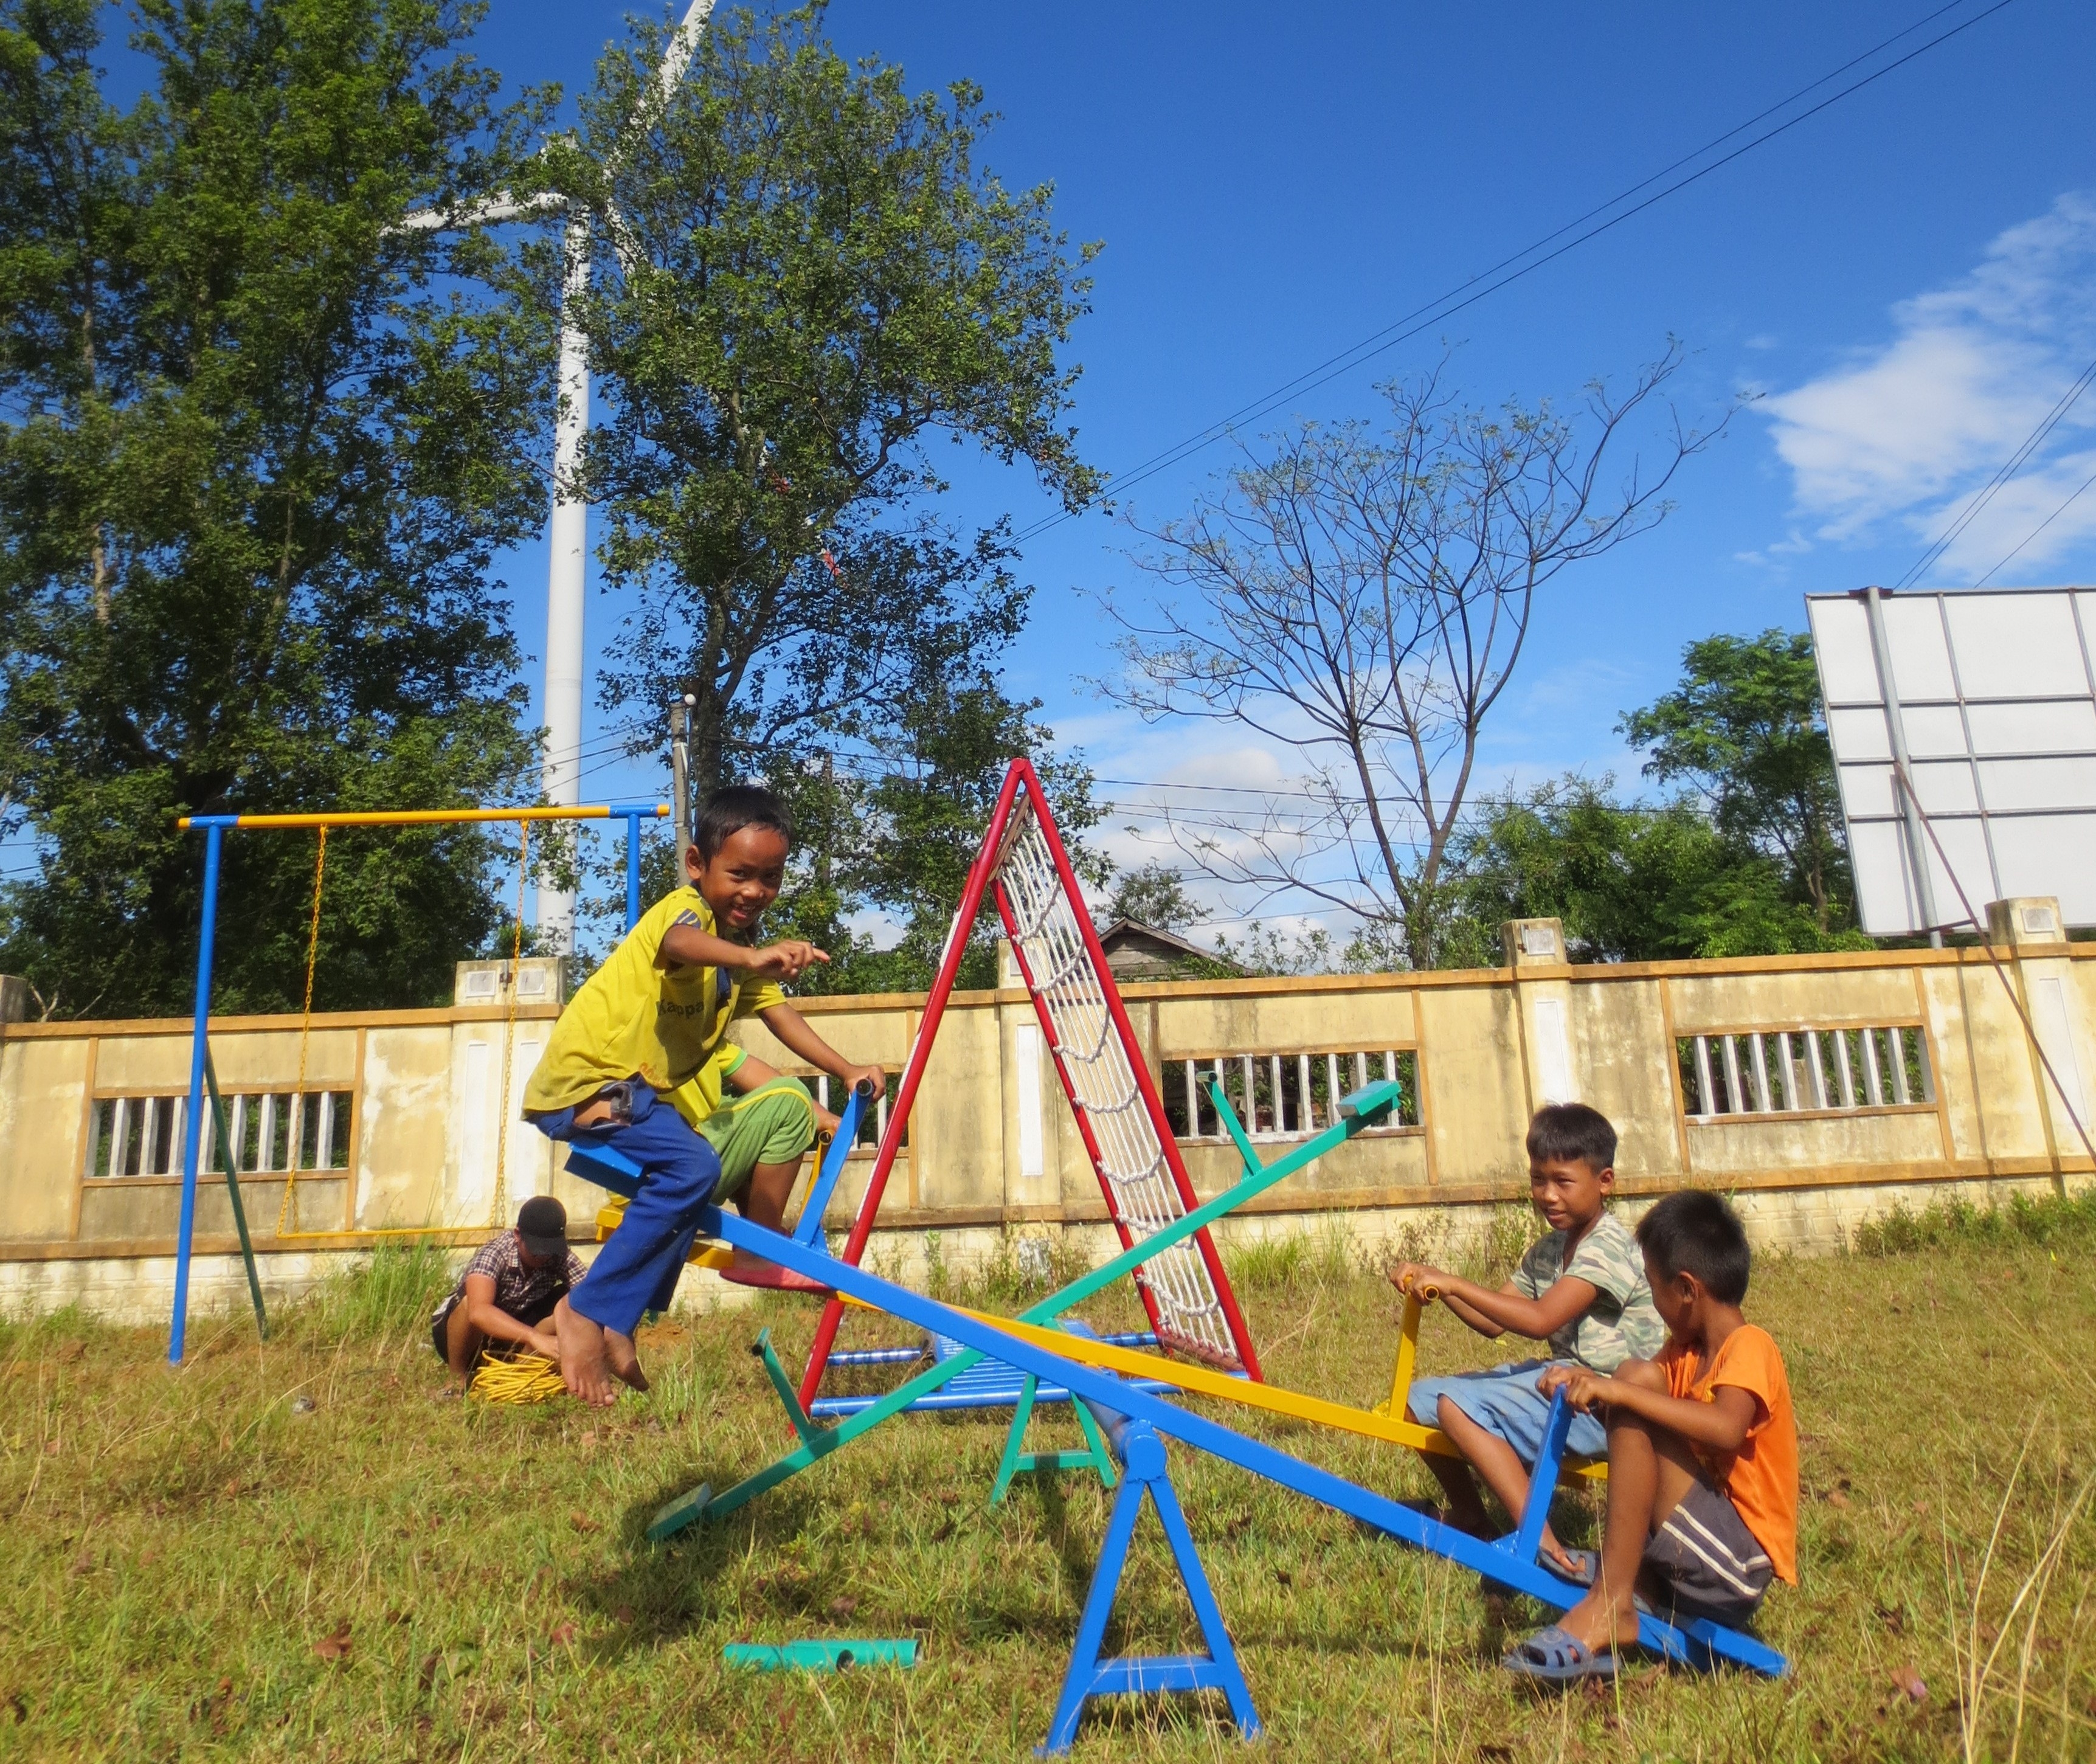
<point>1901,434</point>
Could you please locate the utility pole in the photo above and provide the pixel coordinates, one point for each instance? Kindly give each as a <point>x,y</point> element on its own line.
<point>829,823</point>
<point>680,775</point>
<point>567,530</point>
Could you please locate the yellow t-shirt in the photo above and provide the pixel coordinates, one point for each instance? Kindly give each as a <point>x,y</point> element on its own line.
<point>634,1019</point>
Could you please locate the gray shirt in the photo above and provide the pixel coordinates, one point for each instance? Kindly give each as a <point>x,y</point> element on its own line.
<point>1621,1323</point>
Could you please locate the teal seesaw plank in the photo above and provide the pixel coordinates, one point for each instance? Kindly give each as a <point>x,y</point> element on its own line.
<point>820,1656</point>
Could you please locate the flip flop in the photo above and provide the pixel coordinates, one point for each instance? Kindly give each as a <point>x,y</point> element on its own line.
<point>772,1277</point>
<point>1551,1656</point>
<point>1581,1567</point>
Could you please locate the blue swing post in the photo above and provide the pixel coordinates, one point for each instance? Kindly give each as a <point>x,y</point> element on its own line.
<point>631,814</point>
<point>214,828</point>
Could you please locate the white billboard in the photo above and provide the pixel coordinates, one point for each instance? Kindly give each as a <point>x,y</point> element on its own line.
<point>1992,695</point>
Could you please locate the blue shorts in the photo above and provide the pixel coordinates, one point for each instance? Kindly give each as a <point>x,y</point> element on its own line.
<point>1505,1401</point>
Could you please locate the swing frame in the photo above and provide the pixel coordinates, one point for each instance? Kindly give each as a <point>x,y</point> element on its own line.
<point>214,828</point>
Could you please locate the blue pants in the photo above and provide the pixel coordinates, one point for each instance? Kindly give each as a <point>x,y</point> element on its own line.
<point>1504,1401</point>
<point>636,1271</point>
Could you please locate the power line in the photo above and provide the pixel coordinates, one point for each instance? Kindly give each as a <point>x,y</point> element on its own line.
<point>2015,463</point>
<point>2034,532</point>
<point>1467,293</point>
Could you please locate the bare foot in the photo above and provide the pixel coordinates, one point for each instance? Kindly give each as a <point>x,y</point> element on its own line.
<point>583,1356</point>
<point>624,1360</point>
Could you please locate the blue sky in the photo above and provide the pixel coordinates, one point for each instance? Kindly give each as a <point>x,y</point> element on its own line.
<point>1902,284</point>
<point>1903,280</point>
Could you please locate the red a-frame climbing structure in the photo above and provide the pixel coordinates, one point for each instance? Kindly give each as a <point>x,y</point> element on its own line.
<point>1023,865</point>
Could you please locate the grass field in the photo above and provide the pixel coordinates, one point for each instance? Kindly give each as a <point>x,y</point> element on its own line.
<point>203,1566</point>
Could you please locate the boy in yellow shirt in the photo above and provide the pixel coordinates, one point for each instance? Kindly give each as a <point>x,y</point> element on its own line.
<point>635,1064</point>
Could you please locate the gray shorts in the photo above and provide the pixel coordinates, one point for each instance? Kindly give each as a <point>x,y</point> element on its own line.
<point>1704,1562</point>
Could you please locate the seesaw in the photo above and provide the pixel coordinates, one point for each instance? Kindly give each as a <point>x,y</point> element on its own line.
<point>1511,1563</point>
<point>1362,1109</point>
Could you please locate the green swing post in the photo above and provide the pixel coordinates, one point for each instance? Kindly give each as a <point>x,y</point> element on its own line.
<point>233,1193</point>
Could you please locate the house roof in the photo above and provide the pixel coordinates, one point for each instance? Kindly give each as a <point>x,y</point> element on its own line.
<point>1124,930</point>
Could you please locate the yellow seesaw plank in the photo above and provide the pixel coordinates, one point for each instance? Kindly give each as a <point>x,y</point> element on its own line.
<point>1272,1398</point>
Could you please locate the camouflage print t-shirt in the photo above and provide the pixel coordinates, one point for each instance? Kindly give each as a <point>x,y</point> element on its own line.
<point>1621,1323</point>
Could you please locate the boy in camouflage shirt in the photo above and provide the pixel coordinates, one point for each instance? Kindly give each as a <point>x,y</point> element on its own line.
<point>1581,1287</point>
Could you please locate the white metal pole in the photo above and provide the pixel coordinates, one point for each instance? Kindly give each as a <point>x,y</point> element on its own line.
<point>1881,652</point>
<point>568,538</point>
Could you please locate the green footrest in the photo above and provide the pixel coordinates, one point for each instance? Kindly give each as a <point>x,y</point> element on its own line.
<point>820,1656</point>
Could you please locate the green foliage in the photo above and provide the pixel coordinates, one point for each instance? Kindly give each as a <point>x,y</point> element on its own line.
<point>1746,730</point>
<point>2048,1220</point>
<point>1631,884</point>
<point>1153,894</point>
<point>900,839</point>
<point>800,276</point>
<point>1751,864</point>
<point>1324,1257</point>
<point>260,447</point>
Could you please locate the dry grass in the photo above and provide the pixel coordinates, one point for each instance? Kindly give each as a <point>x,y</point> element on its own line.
<point>188,1551</point>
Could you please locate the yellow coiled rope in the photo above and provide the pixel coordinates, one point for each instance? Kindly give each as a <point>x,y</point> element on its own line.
<point>527,1379</point>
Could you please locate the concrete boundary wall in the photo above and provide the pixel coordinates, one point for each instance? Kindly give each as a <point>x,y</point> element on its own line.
<point>1819,1090</point>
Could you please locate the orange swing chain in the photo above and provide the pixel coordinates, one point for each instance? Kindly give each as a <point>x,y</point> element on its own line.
<point>498,1213</point>
<point>295,1130</point>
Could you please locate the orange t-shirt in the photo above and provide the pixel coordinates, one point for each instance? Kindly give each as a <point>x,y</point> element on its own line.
<point>1761,1477</point>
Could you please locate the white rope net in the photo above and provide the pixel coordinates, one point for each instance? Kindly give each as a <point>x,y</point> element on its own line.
<point>1130,1156</point>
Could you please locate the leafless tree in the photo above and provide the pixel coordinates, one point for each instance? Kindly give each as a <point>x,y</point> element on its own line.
<point>1364,599</point>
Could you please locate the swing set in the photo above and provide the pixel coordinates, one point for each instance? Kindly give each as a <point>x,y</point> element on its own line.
<point>203,1078</point>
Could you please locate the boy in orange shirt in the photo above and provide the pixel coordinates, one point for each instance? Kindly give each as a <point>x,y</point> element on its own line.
<point>1702,1455</point>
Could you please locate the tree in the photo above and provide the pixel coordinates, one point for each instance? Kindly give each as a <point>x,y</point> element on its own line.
<point>1364,602</point>
<point>1746,730</point>
<point>1155,894</point>
<point>258,445</point>
<point>898,839</point>
<point>800,277</point>
<point>1632,882</point>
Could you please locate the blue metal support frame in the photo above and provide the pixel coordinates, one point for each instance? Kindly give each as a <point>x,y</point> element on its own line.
<point>1142,1455</point>
<point>214,828</point>
<point>1699,1643</point>
<point>809,1229</point>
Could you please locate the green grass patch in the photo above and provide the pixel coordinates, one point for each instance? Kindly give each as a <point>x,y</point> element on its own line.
<point>201,1570</point>
<point>2049,1220</point>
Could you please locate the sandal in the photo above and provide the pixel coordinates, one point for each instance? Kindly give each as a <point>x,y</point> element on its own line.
<point>1553,1656</point>
<point>1581,1567</point>
<point>771,1276</point>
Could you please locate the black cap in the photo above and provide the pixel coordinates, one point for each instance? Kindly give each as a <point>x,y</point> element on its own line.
<point>542,1222</point>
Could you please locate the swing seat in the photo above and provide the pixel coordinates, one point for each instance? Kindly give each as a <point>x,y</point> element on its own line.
<point>1571,1470</point>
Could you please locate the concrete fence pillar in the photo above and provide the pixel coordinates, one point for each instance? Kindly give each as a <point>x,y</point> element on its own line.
<point>2031,928</point>
<point>1543,997</point>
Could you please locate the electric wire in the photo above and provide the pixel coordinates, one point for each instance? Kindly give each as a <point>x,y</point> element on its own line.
<point>2034,532</point>
<point>2014,463</point>
<point>1469,293</point>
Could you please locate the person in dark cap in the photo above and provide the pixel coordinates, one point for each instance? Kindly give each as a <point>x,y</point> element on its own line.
<point>503,1302</point>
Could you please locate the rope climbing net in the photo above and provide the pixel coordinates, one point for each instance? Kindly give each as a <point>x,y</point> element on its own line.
<point>1023,867</point>
<point>1119,1131</point>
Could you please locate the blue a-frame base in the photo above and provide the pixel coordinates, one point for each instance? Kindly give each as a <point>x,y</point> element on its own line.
<point>1142,1457</point>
